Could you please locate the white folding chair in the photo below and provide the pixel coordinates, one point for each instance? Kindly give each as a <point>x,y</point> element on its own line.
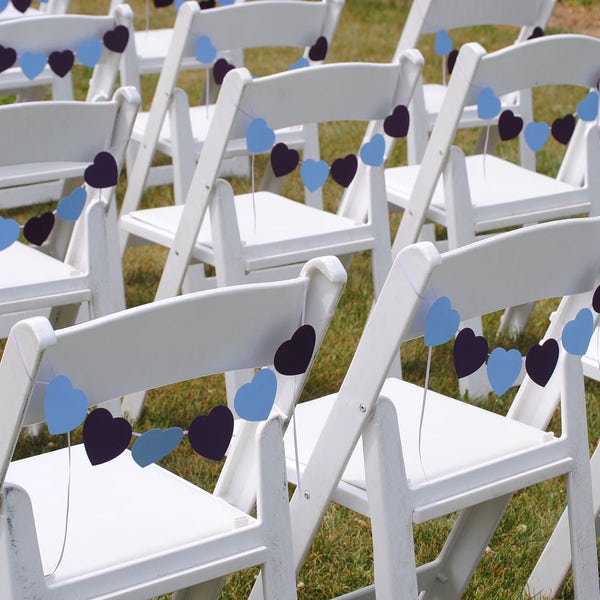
<point>441,17</point>
<point>178,131</point>
<point>417,460</point>
<point>141,532</point>
<point>49,7</point>
<point>79,263</point>
<point>34,40</point>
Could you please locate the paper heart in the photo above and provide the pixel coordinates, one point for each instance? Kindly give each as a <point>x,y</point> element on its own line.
<point>32,64</point>
<point>3,5</point>
<point>314,173</point>
<point>154,444</point>
<point>206,4</point>
<point>178,4</point>
<point>488,104</point>
<point>210,434</point>
<point>283,159</point>
<point>344,169</point>
<point>541,361</point>
<point>8,57</point>
<point>293,356</point>
<point>105,436</point>
<point>443,42</point>
<point>226,2</point>
<point>61,62</point>
<point>37,229</point>
<point>470,352</point>
<point>441,322</point>
<point>89,53</point>
<point>536,134</point>
<point>596,300</point>
<point>116,39</point>
<point>318,51</point>
<point>65,406</point>
<point>372,152</point>
<point>396,125</point>
<point>259,136</point>
<point>577,333</point>
<point>451,60</point>
<point>536,33</point>
<point>587,109</point>
<point>503,369</point>
<point>205,51</point>
<point>70,207</point>
<point>254,400</point>
<point>509,126</point>
<point>220,69</point>
<point>103,172</point>
<point>9,232</point>
<point>162,3</point>
<point>21,5</point>
<point>299,64</point>
<point>562,129</point>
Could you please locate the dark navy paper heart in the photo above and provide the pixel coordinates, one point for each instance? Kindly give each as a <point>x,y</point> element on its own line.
<point>116,39</point>
<point>509,126</point>
<point>21,5</point>
<point>207,4</point>
<point>283,159</point>
<point>396,124</point>
<point>562,129</point>
<point>105,436</point>
<point>470,352</point>
<point>37,229</point>
<point>61,62</point>
<point>596,300</point>
<point>343,170</point>
<point>536,33</point>
<point>293,356</point>
<point>318,51</point>
<point>162,3</point>
<point>541,361</point>
<point>210,434</point>
<point>220,69</point>
<point>451,60</point>
<point>103,172</point>
<point>8,57</point>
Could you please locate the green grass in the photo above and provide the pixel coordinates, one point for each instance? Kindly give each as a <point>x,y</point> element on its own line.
<point>341,559</point>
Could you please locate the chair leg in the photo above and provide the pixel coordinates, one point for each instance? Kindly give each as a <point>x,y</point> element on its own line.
<point>515,319</point>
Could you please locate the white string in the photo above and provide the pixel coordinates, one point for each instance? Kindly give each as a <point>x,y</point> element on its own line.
<point>207,97</point>
<point>253,199</point>
<point>485,149</point>
<point>425,388</point>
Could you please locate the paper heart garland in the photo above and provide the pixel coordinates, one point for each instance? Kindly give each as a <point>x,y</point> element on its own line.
<point>562,129</point>
<point>70,207</point>
<point>577,333</point>
<point>259,136</point>
<point>61,62</point>
<point>37,229</point>
<point>443,43</point>
<point>254,400</point>
<point>283,159</point>
<point>536,135</point>
<point>396,125</point>
<point>220,69</point>
<point>344,169</point>
<point>155,444</point>
<point>9,232</point>
<point>21,5</point>
<point>32,64</point>
<point>441,323</point>
<point>318,51</point>
<point>470,352</point>
<point>293,356</point>
<point>205,51</point>
<point>372,152</point>
<point>89,53</point>
<point>103,172</point>
<point>509,126</point>
<point>8,57</point>
<point>105,436</point>
<point>503,368</point>
<point>210,434</point>
<point>451,61</point>
<point>116,39</point>
<point>488,104</point>
<point>314,173</point>
<point>65,407</point>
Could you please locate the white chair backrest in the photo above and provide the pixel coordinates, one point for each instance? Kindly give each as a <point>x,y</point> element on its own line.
<point>429,16</point>
<point>57,32</point>
<point>192,336</point>
<point>517,67</point>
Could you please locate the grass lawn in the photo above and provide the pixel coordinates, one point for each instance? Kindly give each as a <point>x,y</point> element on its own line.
<point>341,559</point>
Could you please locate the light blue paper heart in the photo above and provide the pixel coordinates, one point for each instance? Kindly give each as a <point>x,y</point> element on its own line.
<point>3,5</point>
<point>226,2</point>
<point>152,445</point>
<point>32,64</point>
<point>254,400</point>
<point>259,136</point>
<point>89,53</point>
<point>372,152</point>
<point>178,4</point>
<point>70,207</point>
<point>577,333</point>
<point>314,173</point>
<point>441,323</point>
<point>205,51</point>
<point>9,232</point>
<point>65,406</point>
<point>587,109</point>
<point>299,64</point>
<point>443,43</point>
<point>488,104</point>
<point>503,369</point>
<point>537,134</point>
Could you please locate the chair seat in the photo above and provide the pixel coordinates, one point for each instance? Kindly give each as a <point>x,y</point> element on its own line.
<point>29,273</point>
<point>201,117</point>
<point>456,436</point>
<point>27,173</point>
<point>278,221</point>
<point>502,193</point>
<point>153,506</point>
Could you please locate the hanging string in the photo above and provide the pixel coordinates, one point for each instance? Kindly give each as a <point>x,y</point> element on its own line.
<point>485,149</point>
<point>253,199</point>
<point>421,418</point>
